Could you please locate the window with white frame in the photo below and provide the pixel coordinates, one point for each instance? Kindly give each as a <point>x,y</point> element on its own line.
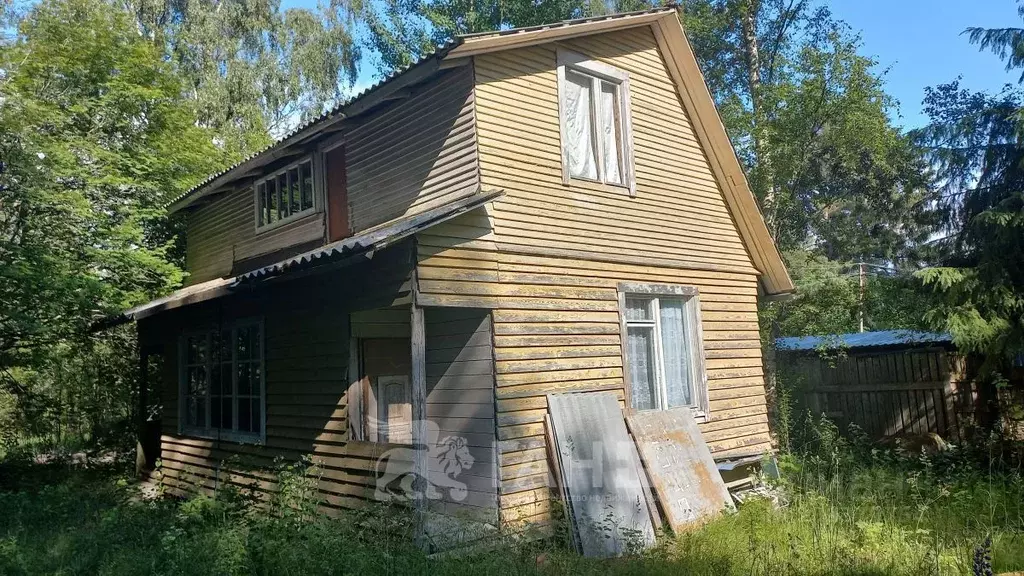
<point>222,382</point>
<point>285,195</point>
<point>663,351</point>
<point>595,121</point>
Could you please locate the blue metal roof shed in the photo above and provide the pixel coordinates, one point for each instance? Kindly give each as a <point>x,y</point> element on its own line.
<point>879,339</point>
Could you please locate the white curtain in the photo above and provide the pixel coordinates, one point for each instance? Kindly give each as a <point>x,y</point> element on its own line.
<point>676,347</point>
<point>640,352</point>
<point>578,130</point>
<point>609,114</point>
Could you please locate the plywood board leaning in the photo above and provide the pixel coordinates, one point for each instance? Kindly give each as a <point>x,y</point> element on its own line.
<point>685,478</point>
<point>601,474</point>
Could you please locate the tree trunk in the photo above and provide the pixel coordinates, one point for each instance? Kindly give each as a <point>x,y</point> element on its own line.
<point>749,11</point>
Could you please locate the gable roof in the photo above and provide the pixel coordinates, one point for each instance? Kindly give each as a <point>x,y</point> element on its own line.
<point>681,64</point>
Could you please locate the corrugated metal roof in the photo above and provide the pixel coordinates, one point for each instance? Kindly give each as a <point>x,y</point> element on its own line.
<point>439,52</point>
<point>361,244</point>
<point>376,238</point>
<point>863,340</point>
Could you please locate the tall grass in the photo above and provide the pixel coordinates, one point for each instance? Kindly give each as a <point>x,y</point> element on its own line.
<point>849,509</point>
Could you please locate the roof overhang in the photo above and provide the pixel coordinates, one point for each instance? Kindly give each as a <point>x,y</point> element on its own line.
<point>710,131</point>
<point>299,140</point>
<point>341,253</point>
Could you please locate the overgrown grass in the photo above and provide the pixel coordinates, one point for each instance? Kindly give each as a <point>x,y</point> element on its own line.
<point>850,510</point>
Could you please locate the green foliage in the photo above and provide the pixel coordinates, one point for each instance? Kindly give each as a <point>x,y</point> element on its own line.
<point>810,119</point>
<point>977,147</point>
<point>94,139</point>
<point>846,512</point>
<point>829,299</point>
<point>252,69</point>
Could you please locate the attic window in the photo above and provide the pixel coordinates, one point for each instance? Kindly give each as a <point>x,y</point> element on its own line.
<point>595,122</point>
<point>286,195</point>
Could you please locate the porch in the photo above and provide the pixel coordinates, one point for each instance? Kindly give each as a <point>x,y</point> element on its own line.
<point>340,366</point>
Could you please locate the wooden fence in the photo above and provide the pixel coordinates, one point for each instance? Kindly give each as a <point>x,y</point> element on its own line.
<point>887,392</point>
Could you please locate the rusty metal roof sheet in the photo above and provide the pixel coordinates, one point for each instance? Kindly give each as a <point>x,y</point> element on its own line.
<point>685,477</point>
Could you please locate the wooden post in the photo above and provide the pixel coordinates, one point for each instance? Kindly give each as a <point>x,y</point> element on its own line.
<point>860,299</point>
<point>419,409</point>
<point>142,459</point>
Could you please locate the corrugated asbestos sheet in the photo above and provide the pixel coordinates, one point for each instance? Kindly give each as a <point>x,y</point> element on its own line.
<point>375,238</point>
<point>602,477</point>
<point>679,464</point>
<point>362,244</point>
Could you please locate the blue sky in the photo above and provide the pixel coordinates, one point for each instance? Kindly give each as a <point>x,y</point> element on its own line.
<point>917,41</point>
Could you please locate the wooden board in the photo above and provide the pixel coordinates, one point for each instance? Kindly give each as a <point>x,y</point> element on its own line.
<point>680,466</point>
<point>601,474</point>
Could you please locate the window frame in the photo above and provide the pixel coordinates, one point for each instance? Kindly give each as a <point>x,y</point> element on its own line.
<point>598,72</point>
<point>263,179</point>
<point>690,296</point>
<point>208,431</point>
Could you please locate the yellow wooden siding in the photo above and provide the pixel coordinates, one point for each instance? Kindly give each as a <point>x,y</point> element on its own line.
<point>556,329</point>
<point>547,258</point>
<point>410,156</point>
<point>415,155</point>
<point>678,215</point>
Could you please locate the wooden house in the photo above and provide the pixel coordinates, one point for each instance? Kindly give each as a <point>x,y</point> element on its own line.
<point>539,210</point>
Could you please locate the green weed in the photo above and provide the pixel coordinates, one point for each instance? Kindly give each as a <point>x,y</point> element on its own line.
<point>851,511</point>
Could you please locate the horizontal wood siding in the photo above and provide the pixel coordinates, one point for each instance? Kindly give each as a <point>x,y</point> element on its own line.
<point>306,325</point>
<point>224,231</point>
<point>414,155</point>
<point>556,329</point>
<point>410,156</point>
<point>548,257</point>
<point>678,214</point>
<point>460,401</point>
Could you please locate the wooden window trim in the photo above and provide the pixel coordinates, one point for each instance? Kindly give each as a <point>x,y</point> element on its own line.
<point>302,214</point>
<point>208,432</point>
<point>691,297</point>
<point>599,71</point>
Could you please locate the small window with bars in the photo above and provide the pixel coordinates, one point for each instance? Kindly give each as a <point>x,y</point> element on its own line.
<point>286,195</point>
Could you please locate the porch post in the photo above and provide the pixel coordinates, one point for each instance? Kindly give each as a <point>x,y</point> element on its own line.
<point>419,409</point>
